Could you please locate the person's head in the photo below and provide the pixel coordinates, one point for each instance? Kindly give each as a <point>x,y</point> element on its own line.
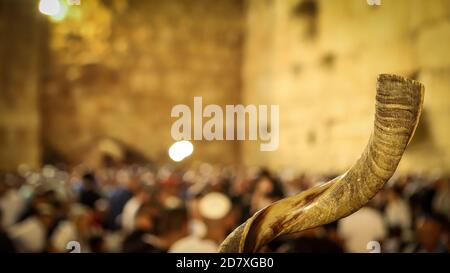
<point>9,181</point>
<point>145,193</point>
<point>131,181</point>
<point>80,216</point>
<point>215,210</point>
<point>266,190</point>
<point>268,185</point>
<point>394,193</point>
<point>174,222</point>
<point>89,180</point>
<point>43,197</point>
<point>395,231</point>
<point>45,212</point>
<point>429,230</point>
<point>145,216</point>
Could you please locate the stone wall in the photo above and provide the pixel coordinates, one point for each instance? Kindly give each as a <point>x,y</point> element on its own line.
<point>118,67</point>
<point>20,29</point>
<point>114,69</point>
<point>319,61</point>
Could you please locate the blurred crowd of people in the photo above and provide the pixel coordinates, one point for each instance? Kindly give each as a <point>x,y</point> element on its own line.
<point>144,209</point>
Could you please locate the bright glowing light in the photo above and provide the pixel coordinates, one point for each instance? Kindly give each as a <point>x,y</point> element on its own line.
<point>180,150</point>
<point>50,7</point>
<point>56,9</point>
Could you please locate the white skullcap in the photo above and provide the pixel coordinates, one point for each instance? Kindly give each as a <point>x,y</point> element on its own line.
<point>173,202</point>
<point>214,206</point>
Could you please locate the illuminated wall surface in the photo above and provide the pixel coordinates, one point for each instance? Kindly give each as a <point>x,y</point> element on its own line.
<point>113,69</point>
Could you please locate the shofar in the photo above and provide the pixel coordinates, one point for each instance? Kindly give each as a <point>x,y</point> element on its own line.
<point>398,107</point>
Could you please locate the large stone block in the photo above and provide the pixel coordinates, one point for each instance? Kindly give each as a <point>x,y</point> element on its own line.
<point>433,44</point>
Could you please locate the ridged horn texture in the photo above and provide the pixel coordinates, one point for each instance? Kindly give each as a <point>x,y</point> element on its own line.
<point>398,107</point>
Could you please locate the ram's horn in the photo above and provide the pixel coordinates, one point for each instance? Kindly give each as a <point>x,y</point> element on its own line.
<point>398,107</point>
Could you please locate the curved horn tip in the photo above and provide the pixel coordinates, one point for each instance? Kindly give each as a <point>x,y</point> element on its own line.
<point>396,96</point>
